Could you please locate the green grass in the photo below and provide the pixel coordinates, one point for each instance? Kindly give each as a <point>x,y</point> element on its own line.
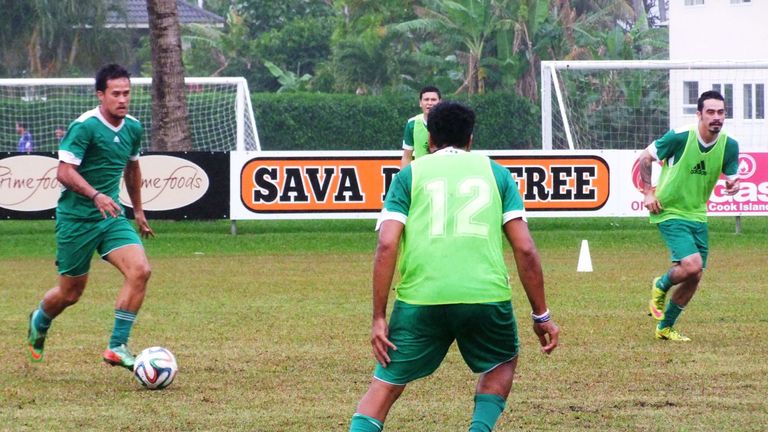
<point>270,328</point>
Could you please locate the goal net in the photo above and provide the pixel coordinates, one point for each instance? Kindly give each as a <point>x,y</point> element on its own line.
<point>220,112</point>
<point>628,104</point>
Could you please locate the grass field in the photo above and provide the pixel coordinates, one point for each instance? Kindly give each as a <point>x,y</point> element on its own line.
<point>270,328</point>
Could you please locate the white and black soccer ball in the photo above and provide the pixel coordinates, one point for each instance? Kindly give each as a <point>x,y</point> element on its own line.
<point>155,368</point>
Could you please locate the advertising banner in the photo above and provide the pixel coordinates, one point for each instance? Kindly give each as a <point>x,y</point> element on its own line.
<point>339,185</point>
<point>178,185</point>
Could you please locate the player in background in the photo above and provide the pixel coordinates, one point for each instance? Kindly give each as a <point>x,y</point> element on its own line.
<point>101,145</point>
<point>415,134</point>
<point>26,143</point>
<point>449,210</point>
<point>693,158</point>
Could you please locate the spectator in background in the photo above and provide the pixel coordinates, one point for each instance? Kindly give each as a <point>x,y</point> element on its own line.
<point>26,144</point>
<point>59,132</point>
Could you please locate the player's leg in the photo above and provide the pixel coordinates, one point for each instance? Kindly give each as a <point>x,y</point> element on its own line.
<point>75,244</point>
<point>55,300</point>
<point>422,341</point>
<point>677,235</point>
<point>488,341</point>
<point>122,248</point>
<point>374,406</point>
<point>690,269</point>
<point>491,394</point>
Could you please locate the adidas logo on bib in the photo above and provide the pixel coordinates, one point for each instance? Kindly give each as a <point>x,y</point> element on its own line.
<point>700,168</point>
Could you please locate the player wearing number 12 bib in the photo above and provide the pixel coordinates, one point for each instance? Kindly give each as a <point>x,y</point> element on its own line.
<point>449,208</point>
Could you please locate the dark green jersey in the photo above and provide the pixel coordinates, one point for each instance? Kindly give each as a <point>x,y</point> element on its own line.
<point>416,136</point>
<point>690,172</point>
<point>101,152</point>
<point>453,204</point>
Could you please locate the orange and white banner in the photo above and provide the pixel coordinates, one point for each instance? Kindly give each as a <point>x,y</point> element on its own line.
<point>346,185</point>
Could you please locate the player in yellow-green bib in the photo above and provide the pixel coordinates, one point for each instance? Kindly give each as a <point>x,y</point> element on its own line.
<point>448,213</point>
<point>100,148</point>
<point>694,157</point>
<point>415,134</point>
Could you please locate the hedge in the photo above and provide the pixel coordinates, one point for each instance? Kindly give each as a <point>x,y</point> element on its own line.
<point>312,121</point>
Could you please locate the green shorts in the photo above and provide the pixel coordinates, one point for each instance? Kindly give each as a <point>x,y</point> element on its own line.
<point>486,334</point>
<point>77,240</point>
<point>685,238</point>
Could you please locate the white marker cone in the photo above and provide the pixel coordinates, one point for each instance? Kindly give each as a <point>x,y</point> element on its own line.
<point>585,261</point>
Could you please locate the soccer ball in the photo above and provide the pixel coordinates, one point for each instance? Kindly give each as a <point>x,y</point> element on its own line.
<point>155,368</point>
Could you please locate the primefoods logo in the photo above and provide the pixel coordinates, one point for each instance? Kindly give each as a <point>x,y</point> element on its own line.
<point>28,183</point>
<point>168,182</point>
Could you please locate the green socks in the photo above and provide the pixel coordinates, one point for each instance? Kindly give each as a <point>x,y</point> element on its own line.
<point>671,314</point>
<point>488,409</point>
<point>664,283</point>
<point>123,323</point>
<point>363,423</point>
<point>41,320</point>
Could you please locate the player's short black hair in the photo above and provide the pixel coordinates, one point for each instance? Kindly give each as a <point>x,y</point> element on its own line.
<point>430,89</point>
<point>21,124</point>
<point>110,72</point>
<point>450,124</point>
<point>711,94</point>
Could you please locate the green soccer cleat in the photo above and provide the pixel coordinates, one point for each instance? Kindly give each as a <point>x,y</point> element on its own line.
<point>668,333</point>
<point>119,356</point>
<point>35,342</point>
<point>656,305</point>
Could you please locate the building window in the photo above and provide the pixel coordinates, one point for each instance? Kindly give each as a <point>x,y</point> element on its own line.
<point>754,101</point>
<point>732,1</point>
<point>690,97</point>
<point>727,91</point>
<point>695,2</point>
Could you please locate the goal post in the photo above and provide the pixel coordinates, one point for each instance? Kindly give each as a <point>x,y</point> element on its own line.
<point>626,104</point>
<point>220,113</point>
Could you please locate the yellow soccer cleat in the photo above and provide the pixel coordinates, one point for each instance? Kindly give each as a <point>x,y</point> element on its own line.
<point>668,333</point>
<point>656,305</point>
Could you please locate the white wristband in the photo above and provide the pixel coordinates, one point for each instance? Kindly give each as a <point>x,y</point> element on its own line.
<point>538,319</point>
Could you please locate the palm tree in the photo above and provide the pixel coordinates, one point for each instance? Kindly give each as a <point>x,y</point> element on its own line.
<point>170,130</point>
<point>466,26</point>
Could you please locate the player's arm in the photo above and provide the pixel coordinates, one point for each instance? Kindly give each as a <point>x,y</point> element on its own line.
<point>71,179</point>
<point>407,145</point>
<point>132,175</point>
<point>645,162</point>
<point>531,276</point>
<point>731,168</point>
<point>384,263</point>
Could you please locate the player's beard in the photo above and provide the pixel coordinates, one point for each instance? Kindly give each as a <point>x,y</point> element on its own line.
<point>715,127</point>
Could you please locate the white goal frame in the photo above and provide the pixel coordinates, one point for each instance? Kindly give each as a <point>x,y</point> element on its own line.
<point>550,81</point>
<point>242,109</point>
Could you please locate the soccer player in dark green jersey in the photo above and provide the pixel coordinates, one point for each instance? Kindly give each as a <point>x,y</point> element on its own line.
<point>694,157</point>
<point>100,146</point>
<point>415,134</point>
<point>451,210</point>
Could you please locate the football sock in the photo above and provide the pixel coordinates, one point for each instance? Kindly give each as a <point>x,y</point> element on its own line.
<point>671,314</point>
<point>41,320</point>
<point>664,283</point>
<point>363,423</point>
<point>488,408</point>
<point>122,330</point>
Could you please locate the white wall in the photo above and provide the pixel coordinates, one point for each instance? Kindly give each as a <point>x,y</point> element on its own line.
<point>719,30</point>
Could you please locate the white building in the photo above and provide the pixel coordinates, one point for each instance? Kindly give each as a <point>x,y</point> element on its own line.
<point>709,30</point>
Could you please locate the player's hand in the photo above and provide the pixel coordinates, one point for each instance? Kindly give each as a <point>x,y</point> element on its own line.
<point>732,186</point>
<point>548,333</point>
<point>144,229</point>
<point>652,203</point>
<point>107,206</point>
<point>380,342</point>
